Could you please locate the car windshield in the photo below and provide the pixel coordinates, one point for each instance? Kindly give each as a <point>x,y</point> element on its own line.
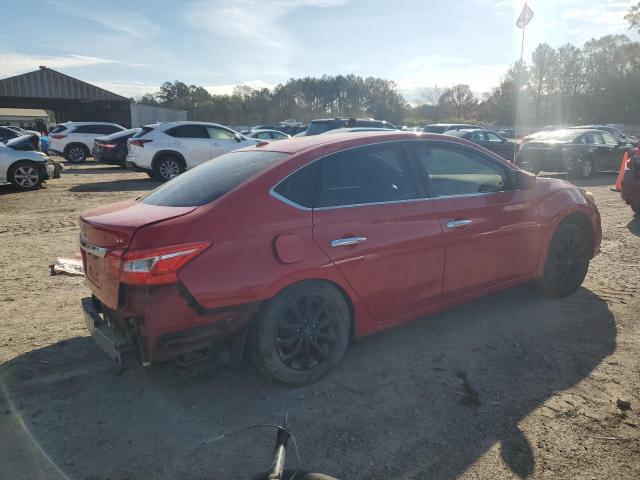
<point>212,179</point>
<point>320,127</point>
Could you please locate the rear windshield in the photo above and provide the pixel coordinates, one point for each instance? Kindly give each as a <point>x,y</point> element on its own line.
<point>316,128</point>
<point>58,129</point>
<point>559,135</point>
<point>211,180</point>
<point>124,133</point>
<point>143,131</point>
<point>431,129</point>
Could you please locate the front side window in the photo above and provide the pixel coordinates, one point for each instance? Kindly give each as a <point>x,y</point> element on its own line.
<point>609,139</point>
<point>453,170</point>
<point>479,136</point>
<point>492,137</point>
<point>216,133</point>
<point>188,131</point>
<point>364,175</point>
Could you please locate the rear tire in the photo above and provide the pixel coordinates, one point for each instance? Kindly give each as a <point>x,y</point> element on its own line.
<point>76,153</point>
<point>568,260</point>
<point>302,333</point>
<point>582,168</point>
<point>167,167</point>
<point>25,175</point>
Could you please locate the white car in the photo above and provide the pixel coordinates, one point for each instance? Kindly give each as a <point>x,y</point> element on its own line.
<point>267,135</point>
<point>23,167</point>
<point>74,140</point>
<point>165,150</point>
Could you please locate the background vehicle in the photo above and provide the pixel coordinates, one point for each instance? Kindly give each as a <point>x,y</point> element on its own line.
<point>355,129</point>
<point>113,149</point>
<point>324,125</point>
<point>580,152</point>
<point>266,134</point>
<point>509,133</point>
<point>7,133</point>
<point>22,166</point>
<point>489,140</point>
<point>445,127</point>
<point>630,191</point>
<point>74,140</point>
<point>165,150</point>
<point>619,134</point>
<point>284,243</point>
<point>290,122</point>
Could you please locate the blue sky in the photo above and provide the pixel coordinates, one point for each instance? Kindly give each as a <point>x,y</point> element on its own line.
<point>131,47</point>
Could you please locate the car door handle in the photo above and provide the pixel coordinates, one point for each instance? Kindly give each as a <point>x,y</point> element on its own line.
<point>343,242</point>
<point>457,223</point>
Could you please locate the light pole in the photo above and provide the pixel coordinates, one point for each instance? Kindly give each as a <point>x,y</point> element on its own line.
<point>523,20</point>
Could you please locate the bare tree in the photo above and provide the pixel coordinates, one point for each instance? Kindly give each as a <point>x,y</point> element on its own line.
<point>458,100</point>
<point>544,70</point>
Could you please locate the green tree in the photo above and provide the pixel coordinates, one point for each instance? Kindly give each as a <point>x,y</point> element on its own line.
<point>633,17</point>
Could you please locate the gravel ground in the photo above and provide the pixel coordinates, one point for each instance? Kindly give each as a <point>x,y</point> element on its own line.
<point>514,385</point>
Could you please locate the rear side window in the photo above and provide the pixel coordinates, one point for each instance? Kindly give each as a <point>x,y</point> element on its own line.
<point>188,131</point>
<point>58,129</point>
<point>373,174</point>
<point>453,170</point>
<point>211,180</point>
<point>301,186</point>
<point>143,131</point>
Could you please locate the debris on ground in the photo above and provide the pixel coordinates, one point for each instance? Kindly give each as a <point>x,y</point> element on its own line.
<point>623,405</point>
<point>67,266</point>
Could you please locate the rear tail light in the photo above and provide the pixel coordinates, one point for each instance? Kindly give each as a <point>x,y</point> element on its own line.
<point>58,136</point>
<point>108,146</point>
<point>139,143</point>
<point>157,266</point>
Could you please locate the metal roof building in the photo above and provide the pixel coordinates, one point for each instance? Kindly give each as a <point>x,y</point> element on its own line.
<point>71,99</point>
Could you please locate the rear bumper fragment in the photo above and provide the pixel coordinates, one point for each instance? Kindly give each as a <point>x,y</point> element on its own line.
<point>111,342</point>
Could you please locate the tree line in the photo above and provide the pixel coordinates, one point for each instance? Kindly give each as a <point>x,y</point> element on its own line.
<point>595,83</point>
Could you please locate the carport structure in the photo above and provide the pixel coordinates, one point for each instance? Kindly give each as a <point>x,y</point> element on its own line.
<point>69,98</point>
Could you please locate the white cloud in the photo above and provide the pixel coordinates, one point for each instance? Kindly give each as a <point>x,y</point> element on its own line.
<point>603,16</point>
<point>16,63</point>
<point>249,22</point>
<point>121,21</point>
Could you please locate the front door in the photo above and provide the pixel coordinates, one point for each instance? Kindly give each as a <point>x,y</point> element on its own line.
<point>490,234</point>
<point>192,140</point>
<point>222,141</point>
<point>373,222</point>
<point>614,152</point>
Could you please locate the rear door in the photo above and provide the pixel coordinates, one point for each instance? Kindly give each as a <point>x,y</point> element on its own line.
<point>490,232</point>
<point>372,220</point>
<point>192,141</point>
<point>222,141</point>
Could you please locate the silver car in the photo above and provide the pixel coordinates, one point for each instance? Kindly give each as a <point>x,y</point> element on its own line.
<point>24,167</point>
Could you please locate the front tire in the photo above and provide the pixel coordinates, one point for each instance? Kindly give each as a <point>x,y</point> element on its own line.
<point>76,153</point>
<point>25,175</point>
<point>302,333</point>
<point>567,261</point>
<point>167,167</point>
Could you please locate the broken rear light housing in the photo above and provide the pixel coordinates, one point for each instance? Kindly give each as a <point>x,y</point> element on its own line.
<point>158,266</point>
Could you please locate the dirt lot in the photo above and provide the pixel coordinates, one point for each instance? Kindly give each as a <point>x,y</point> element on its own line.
<point>511,386</point>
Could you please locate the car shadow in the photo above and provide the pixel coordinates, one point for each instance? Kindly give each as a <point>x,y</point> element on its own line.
<point>127,185</point>
<point>71,168</point>
<point>634,225</point>
<point>424,400</point>
<point>598,179</point>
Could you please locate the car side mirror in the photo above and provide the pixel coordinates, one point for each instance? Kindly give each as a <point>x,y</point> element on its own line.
<point>238,137</point>
<point>525,180</point>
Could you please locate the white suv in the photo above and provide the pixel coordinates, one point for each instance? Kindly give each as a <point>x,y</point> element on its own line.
<point>74,140</point>
<point>165,150</point>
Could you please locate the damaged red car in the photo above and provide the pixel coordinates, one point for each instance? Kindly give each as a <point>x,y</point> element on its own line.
<point>287,251</point>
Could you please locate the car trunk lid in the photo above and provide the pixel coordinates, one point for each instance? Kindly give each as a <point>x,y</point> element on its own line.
<point>105,234</point>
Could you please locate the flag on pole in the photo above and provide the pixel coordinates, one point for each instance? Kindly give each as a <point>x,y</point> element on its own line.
<point>525,16</point>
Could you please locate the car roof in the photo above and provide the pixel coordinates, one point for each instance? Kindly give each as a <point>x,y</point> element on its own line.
<point>89,123</point>
<point>266,130</point>
<point>185,122</point>
<point>354,139</point>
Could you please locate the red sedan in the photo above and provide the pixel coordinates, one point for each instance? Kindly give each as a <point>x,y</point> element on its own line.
<point>298,246</point>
